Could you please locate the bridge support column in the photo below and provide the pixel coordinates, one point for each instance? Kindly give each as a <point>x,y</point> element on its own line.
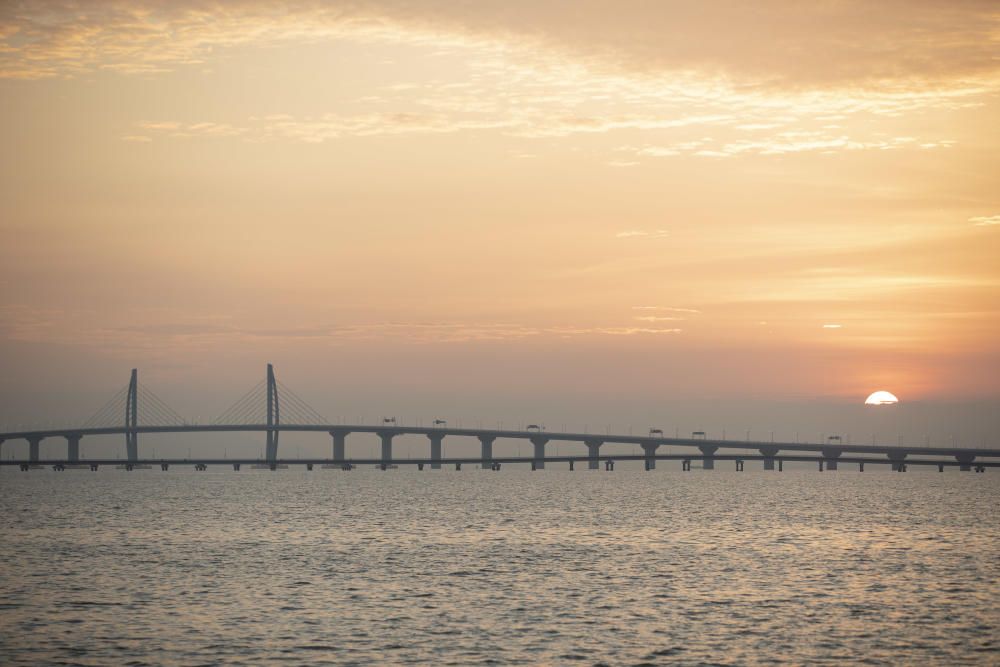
<point>339,444</point>
<point>436,440</point>
<point>571,465</point>
<point>486,441</point>
<point>686,465</point>
<point>539,443</point>
<point>386,447</point>
<point>649,450</point>
<point>861,466</point>
<point>940,467</point>
<point>164,467</point>
<point>33,448</point>
<point>708,451</point>
<point>593,451</point>
<point>73,447</point>
<point>831,456</point>
<point>781,465</point>
<point>768,454</point>
<point>965,461</point>
<point>898,460</point>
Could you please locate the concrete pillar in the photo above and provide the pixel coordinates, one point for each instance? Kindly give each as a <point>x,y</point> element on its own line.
<point>236,467</point>
<point>965,461</point>
<point>831,456</point>
<point>386,446</point>
<point>486,441</point>
<point>435,439</point>
<point>649,449</point>
<point>539,443</point>
<point>73,447</point>
<point>33,443</point>
<point>897,457</point>
<point>339,444</point>
<point>593,451</point>
<point>781,465</point>
<point>708,451</point>
<point>768,453</point>
<point>571,465</point>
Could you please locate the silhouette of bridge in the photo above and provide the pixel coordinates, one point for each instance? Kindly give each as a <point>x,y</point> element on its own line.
<point>272,408</point>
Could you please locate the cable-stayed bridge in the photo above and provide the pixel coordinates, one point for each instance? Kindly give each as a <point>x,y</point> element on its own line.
<point>271,408</point>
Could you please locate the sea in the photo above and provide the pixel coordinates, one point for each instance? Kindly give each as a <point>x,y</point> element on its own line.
<point>515,567</point>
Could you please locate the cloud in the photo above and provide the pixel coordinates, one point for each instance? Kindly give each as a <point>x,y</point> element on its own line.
<point>847,44</point>
<point>136,138</point>
<point>643,234</point>
<point>985,220</point>
<point>691,311</point>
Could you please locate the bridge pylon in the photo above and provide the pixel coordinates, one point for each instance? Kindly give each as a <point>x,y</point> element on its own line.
<point>132,418</point>
<point>273,416</point>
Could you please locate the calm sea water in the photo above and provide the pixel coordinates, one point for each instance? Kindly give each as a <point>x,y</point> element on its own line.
<point>515,567</point>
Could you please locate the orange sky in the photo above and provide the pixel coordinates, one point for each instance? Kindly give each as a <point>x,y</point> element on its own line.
<point>614,199</point>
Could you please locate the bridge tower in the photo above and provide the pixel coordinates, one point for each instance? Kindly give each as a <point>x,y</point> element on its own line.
<point>132,418</point>
<point>273,416</point>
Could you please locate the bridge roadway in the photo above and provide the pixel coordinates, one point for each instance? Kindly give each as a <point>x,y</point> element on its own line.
<point>495,464</point>
<point>770,452</point>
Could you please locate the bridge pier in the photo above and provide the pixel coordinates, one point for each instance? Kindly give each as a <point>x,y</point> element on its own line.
<point>73,447</point>
<point>861,466</point>
<point>609,465</point>
<point>339,444</point>
<point>486,442</point>
<point>593,451</point>
<point>897,458</point>
<point>436,440</point>
<point>164,466</point>
<point>539,443</point>
<point>768,454</point>
<point>739,465</point>
<point>386,438</point>
<point>708,451</point>
<point>420,466</point>
<point>649,449</point>
<point>686,465</point>
<point>831,456</point>
<point>93,467</point>
<point>571,465</point>
<point>965,461</point>
<point>458,466</point>
<point>781,465</point>
<point>33,447</point>
<point>940,467</point>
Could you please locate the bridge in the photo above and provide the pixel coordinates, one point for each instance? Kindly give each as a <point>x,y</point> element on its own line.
<point>271,408</point>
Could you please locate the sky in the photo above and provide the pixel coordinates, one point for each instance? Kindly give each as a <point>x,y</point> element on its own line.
<point>715,214</point>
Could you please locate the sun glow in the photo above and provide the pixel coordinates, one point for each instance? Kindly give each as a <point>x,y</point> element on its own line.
<point>881,398</point>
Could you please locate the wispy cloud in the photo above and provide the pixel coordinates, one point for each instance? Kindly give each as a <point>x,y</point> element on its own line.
<point>985,220</point>
<point>642,234</point>
<point>672,309</point>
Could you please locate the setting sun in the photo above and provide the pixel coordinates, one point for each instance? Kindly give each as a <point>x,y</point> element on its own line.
<point>881,398</point>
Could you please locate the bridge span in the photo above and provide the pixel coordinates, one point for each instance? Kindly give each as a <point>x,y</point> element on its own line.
<point>269,401</point>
